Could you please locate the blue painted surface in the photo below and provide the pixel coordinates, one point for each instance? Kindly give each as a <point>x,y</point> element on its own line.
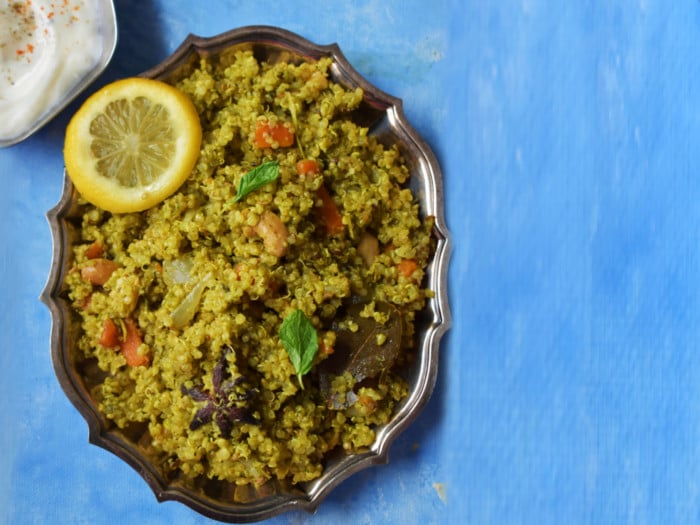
<point>569,382</point>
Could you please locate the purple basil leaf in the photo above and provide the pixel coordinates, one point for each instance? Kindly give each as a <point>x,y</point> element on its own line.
<point>195,393</point>
<point>202,417</point>
<point>218,375</point>
<point>224,423</point>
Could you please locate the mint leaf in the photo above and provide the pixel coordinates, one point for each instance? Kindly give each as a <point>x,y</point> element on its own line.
<point>256,178</point>
<point>301,342</point>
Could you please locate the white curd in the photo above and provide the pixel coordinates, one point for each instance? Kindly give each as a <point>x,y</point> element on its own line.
<point>46,49</point>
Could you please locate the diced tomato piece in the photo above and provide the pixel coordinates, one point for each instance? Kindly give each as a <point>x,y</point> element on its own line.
<point>329,214</point>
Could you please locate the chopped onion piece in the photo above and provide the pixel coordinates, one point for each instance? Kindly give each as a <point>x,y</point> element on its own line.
<point>187,309</point>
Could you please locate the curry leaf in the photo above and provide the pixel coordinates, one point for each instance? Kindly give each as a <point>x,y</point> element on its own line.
<point>301,342</point>
<point>257,178</point>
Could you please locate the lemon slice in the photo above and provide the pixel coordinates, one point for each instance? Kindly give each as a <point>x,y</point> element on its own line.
<point>132,144</point>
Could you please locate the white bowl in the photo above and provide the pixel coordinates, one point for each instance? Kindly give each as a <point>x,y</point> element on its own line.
<point>55,66</point>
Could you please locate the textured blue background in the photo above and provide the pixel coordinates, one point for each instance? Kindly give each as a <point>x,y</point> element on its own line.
<point>569,387</point>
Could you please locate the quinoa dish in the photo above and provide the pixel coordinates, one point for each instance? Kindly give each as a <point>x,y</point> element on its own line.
<point>261,318</point>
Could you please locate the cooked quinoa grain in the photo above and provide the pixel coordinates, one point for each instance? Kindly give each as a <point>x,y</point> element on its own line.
<point>184,318</point>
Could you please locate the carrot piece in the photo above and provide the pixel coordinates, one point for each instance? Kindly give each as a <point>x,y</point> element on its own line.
<point>267,135</point>
<point>329,214</point>
<point>95,250</point>
<point>98,271</point>
<point>307,167</point>
<point>130,345</point>
<point>110,334</point>
<point>407,267</point>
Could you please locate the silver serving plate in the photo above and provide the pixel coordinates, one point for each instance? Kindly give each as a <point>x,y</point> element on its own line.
<point>108,41</point>
<point>223,501</point>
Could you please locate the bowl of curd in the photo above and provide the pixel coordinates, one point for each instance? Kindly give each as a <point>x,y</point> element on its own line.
<point>50,51</point>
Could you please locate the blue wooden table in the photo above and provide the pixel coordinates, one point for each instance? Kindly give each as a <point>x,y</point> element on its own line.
<point>569,387</point>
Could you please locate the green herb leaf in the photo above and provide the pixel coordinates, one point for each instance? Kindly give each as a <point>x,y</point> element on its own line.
<point>299,338</point>
<point>256,178</point>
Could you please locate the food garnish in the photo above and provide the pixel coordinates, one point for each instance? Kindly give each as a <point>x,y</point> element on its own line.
<point>257,178</point>
<point>226,404</point>
<point>132,144</point>
<point>301,342</point>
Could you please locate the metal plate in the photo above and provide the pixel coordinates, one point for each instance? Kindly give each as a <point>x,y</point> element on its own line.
<point>384,116</point>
